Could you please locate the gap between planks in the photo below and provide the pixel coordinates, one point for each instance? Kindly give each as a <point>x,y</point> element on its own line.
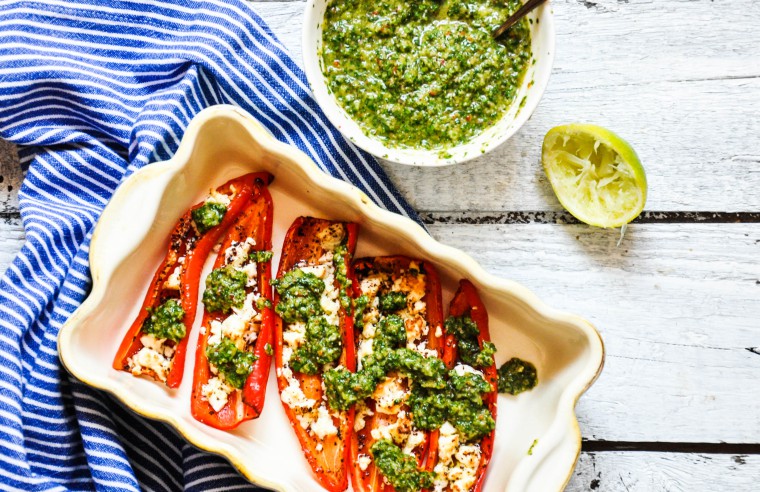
<point>593,446</point>
<point>549,217</point>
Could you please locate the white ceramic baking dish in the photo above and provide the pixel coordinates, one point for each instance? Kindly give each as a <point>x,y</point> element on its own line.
<point>224,142</point>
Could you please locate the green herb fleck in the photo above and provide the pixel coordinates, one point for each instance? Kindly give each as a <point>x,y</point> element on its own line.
<point>261,256</point>
<point>262,303</point>
<point>268,349</point>
<point>530,450</point>
<point>341,275</point>
<point>360,305</point>
<point>166,321</point>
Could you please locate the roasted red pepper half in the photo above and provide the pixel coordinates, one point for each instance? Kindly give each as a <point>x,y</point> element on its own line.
<point>237,332</point>
<point>313,333</point>
<point>467,302</point>
<point>408,289</point>
<point>156,341</point>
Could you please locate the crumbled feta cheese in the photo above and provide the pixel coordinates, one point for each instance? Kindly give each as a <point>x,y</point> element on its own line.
<point>216,197</point>
<point>324,426</point>
<point>295,334</point>
<point>294,397</point>
<point>370,285</point>
<point>365,350</point>
<point>216,392</point>
<point>422,349</point>
<point>397,432</point>
<point>215,338</point>
<point>418,307</point>
<point>331,237</point>
<point>415,439</point>
<point>155,356</point>
<point>172,281</point>
<point>390,395</point>
<point>458,463</point>
<point>462,369</point>
<point>363,461</point>
<point>415,327</point>
<point>237,254</point>
<point>362,412</point>
<point>238,324</point>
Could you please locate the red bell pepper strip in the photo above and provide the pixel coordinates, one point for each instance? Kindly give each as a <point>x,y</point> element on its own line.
<point>392,268</point>
<point>467,302</point>
<point>187,252</point>
<point>255,223</point>
<point>306,242</point>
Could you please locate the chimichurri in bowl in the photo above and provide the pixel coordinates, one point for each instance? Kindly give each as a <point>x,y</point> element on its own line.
<point>424,82</point>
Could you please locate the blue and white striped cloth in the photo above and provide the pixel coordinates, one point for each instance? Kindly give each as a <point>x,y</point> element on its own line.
<point>92,90</point>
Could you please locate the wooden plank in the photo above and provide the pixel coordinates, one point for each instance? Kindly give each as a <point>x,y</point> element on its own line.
<point>11,240</point>
<point>664,472</point>
<point>688,107</point>
<point>677,306</point>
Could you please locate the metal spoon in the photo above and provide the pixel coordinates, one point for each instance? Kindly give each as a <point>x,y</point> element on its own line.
<point>521,12</point>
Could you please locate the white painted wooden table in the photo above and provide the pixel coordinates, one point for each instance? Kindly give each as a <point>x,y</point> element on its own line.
<point>678,302</point>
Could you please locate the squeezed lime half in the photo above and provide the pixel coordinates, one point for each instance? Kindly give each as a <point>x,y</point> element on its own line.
<point>595,174</point>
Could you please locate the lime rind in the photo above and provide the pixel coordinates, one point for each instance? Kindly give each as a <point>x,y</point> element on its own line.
<point>595,174</point>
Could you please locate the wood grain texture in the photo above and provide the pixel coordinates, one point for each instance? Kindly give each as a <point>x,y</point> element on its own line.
<point>11,240</point>
<point>664,472</point>
<point>677,306</point>
<point>689,107</point>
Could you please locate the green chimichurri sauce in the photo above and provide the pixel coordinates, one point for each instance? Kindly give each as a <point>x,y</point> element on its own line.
<point>423,74</point>
<point>165,321</point>
<point>261,256</point>
<point>299,295</point>
<point>232,363</point>
<point>322,345</point>
<point>225,289</point>
<point>400,469</point>
<point>466,332</point>
<point>516,376</point>
<point>208,215</point>
<point>341,275</point>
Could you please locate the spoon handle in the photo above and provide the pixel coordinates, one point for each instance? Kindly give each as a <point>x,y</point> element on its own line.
<point>521,12</point>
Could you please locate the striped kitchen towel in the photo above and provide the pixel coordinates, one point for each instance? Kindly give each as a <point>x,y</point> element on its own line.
<point>92,90</point>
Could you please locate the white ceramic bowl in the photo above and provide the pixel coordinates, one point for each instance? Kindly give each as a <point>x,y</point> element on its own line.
<point>532,88</point>
<point>224,142</point>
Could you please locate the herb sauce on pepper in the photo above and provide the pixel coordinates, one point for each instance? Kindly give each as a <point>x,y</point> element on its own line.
<point>423,74</point>
<point>165,321</point>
